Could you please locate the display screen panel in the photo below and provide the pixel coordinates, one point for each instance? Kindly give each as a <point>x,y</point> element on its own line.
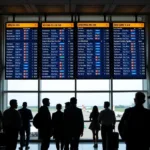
<point>21,51</point>
<point>129,51</point>
<point>93,51</point>
<point>57,51</point>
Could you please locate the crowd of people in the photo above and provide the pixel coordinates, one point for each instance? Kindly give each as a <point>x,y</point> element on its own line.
<point>67,127</point>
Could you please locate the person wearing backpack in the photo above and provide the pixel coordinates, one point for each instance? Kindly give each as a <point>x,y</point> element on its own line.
<point>134,126</point>
<point>43,122</point>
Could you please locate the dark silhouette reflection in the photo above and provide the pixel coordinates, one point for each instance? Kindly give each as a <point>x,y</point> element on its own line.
<point>58,127</point>
<point>12,125</point>
<point>107,120</point>
<point>73,124</point>
<point>1,119</point>
<point>94,126</point>
<point>134,126</point>
<point>26,116</point>
<point>45,127</point>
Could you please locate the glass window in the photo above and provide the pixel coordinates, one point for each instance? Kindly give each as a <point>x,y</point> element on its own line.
<point>127,85</point>
<point>34,132</point>
<point>30,98</point>
<point>58,85</point>
<point>56,98</point>
<point>116,129</point>
<point>22,85</point>
<point>87,132</point>
<point>92,85</point>
<point>86,101</point>
<point>121,101</point>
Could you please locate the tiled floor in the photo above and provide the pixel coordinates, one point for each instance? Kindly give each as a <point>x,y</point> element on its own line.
<point>82,146</point>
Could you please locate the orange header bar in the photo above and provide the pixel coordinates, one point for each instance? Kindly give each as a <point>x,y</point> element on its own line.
<point>57,25</point>
<point>128,25</point>
<point>93,25</point>
<point>21,25</point>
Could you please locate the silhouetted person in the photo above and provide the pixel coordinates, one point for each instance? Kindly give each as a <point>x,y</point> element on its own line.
<point>46,124</point>
<point>134,126</point>
<point>66,136</point>
<point>107,120</point>
<point>67,105</point>
<point>94,126</point>
<point>12,125</point>
<point>58,127</point>
<point>26,116</point>
<point>74,123</point>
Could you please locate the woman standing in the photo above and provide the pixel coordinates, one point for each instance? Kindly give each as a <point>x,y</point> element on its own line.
<point>94,126</point>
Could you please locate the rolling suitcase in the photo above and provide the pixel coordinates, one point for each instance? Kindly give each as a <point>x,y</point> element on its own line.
<point>115,141</point>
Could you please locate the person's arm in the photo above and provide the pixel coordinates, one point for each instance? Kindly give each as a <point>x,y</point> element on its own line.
<point>5,120</point>
<point>1,116</point>
<point>82,123</point>
<point>114,118</point>
<point>121,126</point>
<point>53,116</point>
<point>18,119</point>
<point>100,117</point>
<point>90,117</point>
<point>30,115</point>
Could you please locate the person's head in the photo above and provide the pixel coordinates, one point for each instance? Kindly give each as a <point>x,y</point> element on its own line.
<point>95,109</point>
<point>46,102</point>
<point>139,98</point>
<point>106,104</point>
<point>58,107</point>
<point>13,103</point>
<point>24,104</point>
<point>73,101</point>
<point>67,105</point>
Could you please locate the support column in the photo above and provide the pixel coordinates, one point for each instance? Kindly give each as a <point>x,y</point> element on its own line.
<point>1,62</point>
<point>148,56</point>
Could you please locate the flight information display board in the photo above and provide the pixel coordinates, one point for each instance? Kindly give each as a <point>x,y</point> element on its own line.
<point>93,51</point>
<point>21,57</point>
<point>129,51</point>
<point>57,51</point>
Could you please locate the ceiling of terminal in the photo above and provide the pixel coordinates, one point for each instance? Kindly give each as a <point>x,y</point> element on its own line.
<point>74,6</point>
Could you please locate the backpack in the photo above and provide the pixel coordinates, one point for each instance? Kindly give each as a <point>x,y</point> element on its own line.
<point>36,121</point>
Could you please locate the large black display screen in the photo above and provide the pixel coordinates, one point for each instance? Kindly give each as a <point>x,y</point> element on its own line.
<point>93,51</point>
<point>129,51</point>
<point>21,57</point>
<point>57,51</point>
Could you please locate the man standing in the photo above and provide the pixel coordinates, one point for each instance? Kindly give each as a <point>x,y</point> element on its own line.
<point>12,125</point>
<point>107,120</point>
<point>134,126</point>
<point>74,123</point>
<point>45,124</point>
<point>26,116</point>
<point>66,135</point>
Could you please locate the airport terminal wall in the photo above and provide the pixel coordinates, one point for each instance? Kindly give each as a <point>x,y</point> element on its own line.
<point>120,92</point>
